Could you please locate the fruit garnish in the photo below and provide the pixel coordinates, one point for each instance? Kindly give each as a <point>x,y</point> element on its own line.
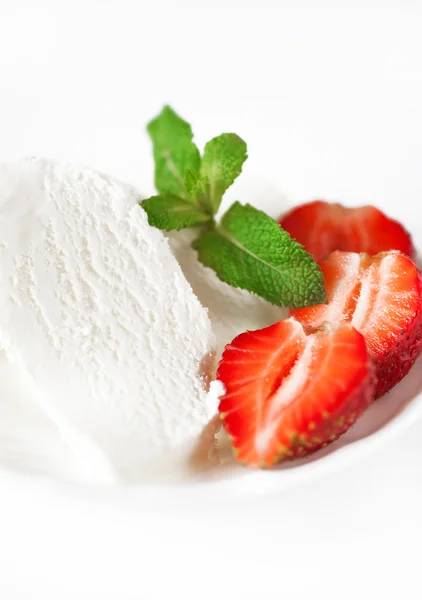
<point>381,297</point>
<point>322,227</point>
<point>247,249</point>
<point>290,391</point>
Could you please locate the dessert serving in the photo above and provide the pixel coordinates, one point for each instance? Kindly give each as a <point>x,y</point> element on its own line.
<point>132,340</point>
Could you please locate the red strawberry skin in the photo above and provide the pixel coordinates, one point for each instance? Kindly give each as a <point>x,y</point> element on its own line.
<point>289,393</point>
<point>322,227</point>
<point>381,297</point>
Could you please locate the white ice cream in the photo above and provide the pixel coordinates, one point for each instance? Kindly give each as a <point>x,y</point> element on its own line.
<point>100,321</point>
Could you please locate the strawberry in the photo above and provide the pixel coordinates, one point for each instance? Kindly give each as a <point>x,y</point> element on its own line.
<point>381,297</point>
<point>289,392</point>
<point>322,227</point>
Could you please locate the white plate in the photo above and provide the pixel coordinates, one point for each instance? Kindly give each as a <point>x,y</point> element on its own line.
<point>45,452</point>
<point>383,421</point>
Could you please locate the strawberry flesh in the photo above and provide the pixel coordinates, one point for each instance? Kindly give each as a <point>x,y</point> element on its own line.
<point>289,392</point>
<point>381,297</point>
<point>322,227</point>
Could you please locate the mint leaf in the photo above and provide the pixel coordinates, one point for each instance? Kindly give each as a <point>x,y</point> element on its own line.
<point>221,164</point>
<point>249,250</point>
<point>174,152</point>
<point>197,189</point>
<point>168,212</point>
<point>191,179</point>
<point>200,195</point>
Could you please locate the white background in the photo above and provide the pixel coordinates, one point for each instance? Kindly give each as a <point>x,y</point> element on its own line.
<point>328,96</point>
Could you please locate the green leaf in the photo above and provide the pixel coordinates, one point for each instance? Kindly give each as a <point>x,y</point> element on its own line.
<point>191,179</point>
<point>197,189</point>
<point>249,250</point>
<point>168,212</point>
<point>174,152</point>
<point>221,164</point>
<point>199,194</point>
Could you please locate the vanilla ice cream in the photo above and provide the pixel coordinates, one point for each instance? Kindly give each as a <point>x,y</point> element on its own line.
<point>98,317</point>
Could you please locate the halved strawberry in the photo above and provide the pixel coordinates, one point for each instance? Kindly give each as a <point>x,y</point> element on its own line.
<point>322,227</point>
<point>289,393</point>
<point>381,297</point>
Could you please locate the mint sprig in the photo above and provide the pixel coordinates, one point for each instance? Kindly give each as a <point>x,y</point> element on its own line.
<point>247,249</point>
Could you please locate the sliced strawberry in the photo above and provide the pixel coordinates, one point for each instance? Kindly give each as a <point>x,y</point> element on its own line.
<point>381,297</point>
<point>322,227</point>
<point>289,393</point>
